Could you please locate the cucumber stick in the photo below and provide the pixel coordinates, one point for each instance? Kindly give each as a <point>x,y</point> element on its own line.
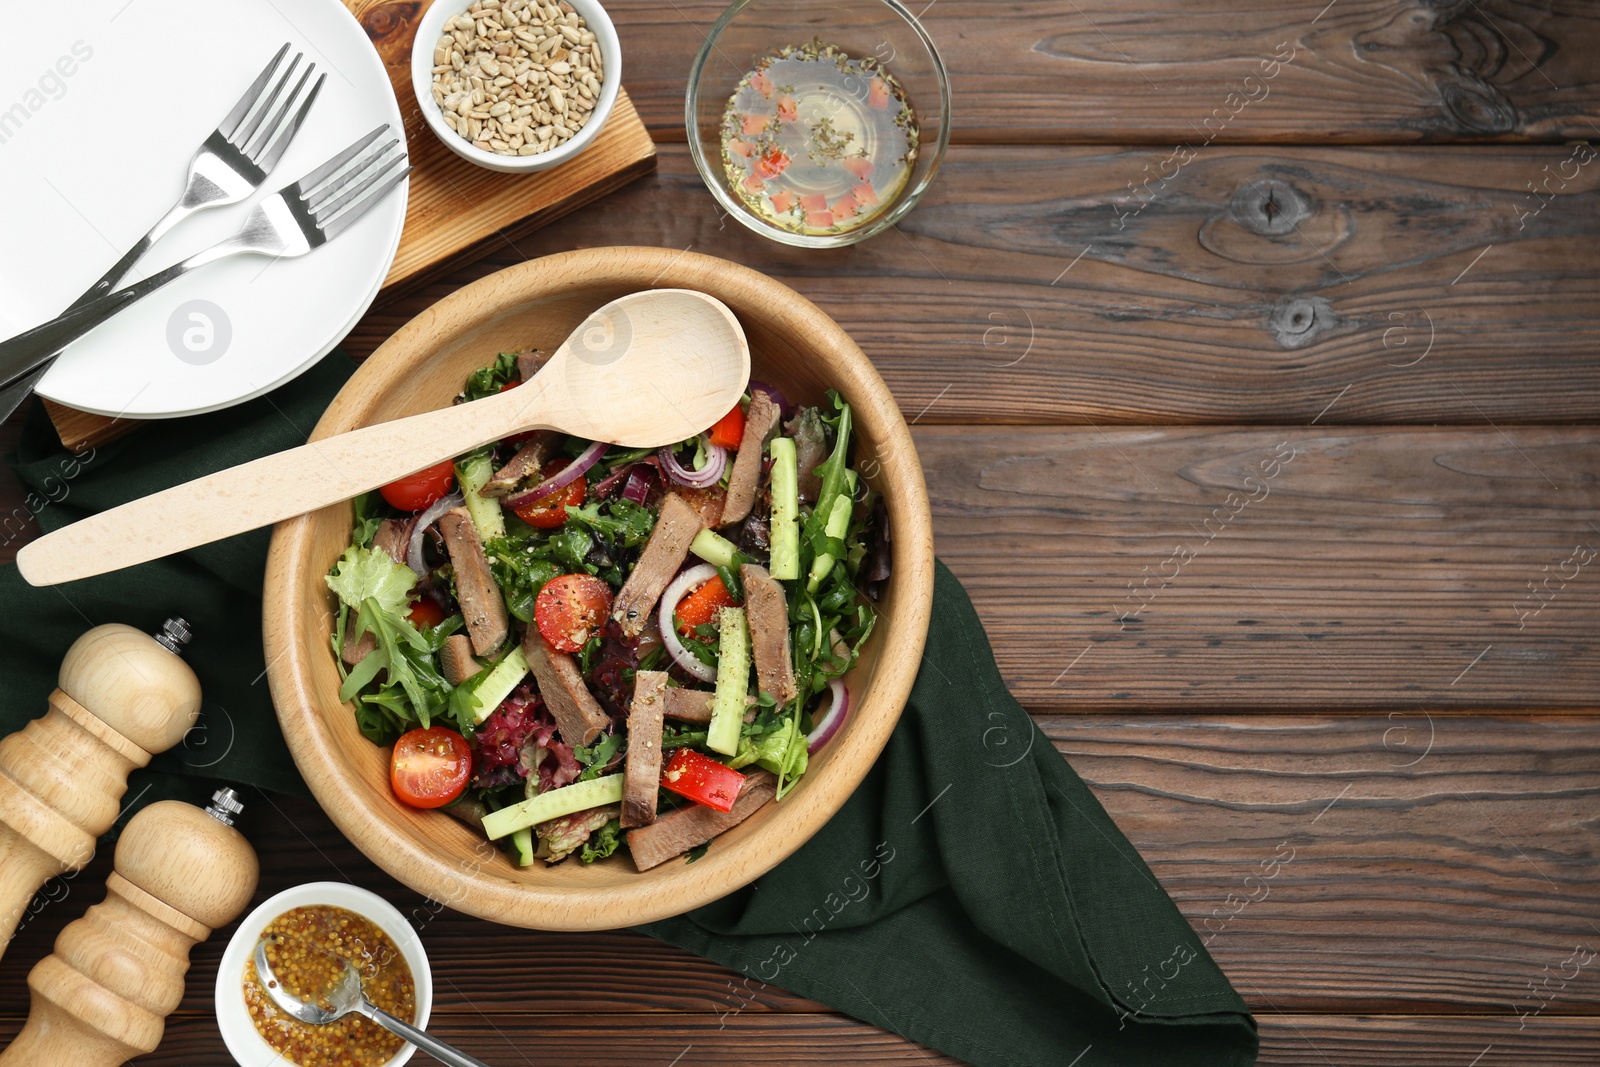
<point>714,548</point>
<point>838,526</point>
<point>579,796</point>
<point>485,511</point>
<point>498,684</point>
<point>522,841</point>
<point>733,683</point>
<point>785,534</point>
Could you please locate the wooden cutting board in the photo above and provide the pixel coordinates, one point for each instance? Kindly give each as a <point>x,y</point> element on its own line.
<point>457,212</point>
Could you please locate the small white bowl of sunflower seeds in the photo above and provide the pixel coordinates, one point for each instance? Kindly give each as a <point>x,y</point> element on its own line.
<point>516,85</point>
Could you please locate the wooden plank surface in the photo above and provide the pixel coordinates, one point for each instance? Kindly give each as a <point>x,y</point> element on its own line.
<point>1096,343</point>
<point>631,1041</point>
<point>1434,864</point>
<point>1277,568</point>
<point>1012,296</point>
<point>1438,865</point>
<point>1171,71</point>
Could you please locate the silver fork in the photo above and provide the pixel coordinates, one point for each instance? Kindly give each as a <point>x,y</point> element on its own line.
<point>227,167</point>
<point>290,222</point>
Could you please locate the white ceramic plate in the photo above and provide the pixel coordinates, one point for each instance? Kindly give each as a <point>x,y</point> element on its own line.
<point>99,116</point>
<point>233,1017</point>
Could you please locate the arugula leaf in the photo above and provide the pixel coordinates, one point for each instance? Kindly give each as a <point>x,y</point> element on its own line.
<point>834,482</point>
<point>696,852</point>
<point>623,521</point>
<point>613,459</point>
<point>587,653</point>
<point>487,381</point>
<point>675,736</point>
<point>595,757</point>
<point>521,567</point>
<point>703,646</point>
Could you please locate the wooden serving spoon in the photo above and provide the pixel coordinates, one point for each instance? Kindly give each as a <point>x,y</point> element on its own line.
<point>646,370</point>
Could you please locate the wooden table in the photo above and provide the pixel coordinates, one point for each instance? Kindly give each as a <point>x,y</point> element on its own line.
<point>1146,270</point>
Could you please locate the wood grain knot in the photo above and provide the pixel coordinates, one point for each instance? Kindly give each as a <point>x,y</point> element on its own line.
<point>389,25</point>
<point>1299,320</point>
<point>1269,207</point>
<point>1450,49</point>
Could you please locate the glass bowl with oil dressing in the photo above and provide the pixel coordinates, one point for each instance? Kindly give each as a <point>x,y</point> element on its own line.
<point>818,124</point>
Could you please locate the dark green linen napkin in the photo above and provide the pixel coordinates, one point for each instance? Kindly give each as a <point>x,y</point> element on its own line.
<point>972,894</point>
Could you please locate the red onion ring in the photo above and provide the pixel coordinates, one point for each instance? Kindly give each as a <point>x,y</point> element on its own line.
<point>838,711</point>
<point>414,558</point>
<point>692,578</point>
<point>561,478</point>
<point>705,477</point>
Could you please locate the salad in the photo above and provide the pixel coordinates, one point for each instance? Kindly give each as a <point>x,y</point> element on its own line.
<point>579,648</point>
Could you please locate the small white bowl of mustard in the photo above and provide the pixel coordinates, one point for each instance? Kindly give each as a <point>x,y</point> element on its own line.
<point>323,918</point>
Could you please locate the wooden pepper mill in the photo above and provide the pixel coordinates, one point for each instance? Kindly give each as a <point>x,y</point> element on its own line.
<point>104,995</point>
<point>123,697</point>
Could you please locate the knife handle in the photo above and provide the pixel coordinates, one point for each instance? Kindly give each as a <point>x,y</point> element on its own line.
<point>33,348</point>
<point>123,696</point>
<point>103,996</point>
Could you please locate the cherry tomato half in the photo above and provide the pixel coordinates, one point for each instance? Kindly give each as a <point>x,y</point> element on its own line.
<point>571,609</point>
<point>549,512</point>
<point>417,491</point>
<point>430,767</point>
<point>729,430</point>
<point>426,613</point>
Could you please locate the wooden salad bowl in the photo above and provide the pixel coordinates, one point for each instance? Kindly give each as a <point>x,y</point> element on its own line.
<point>795,347</point>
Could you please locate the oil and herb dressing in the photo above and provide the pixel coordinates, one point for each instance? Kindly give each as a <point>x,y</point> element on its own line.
<point>817,142</point>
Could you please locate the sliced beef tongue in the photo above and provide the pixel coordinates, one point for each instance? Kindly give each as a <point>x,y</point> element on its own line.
<point>354,652</point>
<point>663,554</point>
<point>687,705</point>
<point>642,775</point>
<point>760,422</point>
<point>525,464</point>
<point>457,659</point>
<point>394,537</point>
<point>678,831</point>
<point>768,614</point>
<point>578,715</point>
<point>529,362</point>
<point>482,606</point>
<point>707,503</point>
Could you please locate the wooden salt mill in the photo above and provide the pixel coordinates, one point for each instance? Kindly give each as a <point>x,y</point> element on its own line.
<point>123,696</point>
<point>103,997</point>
